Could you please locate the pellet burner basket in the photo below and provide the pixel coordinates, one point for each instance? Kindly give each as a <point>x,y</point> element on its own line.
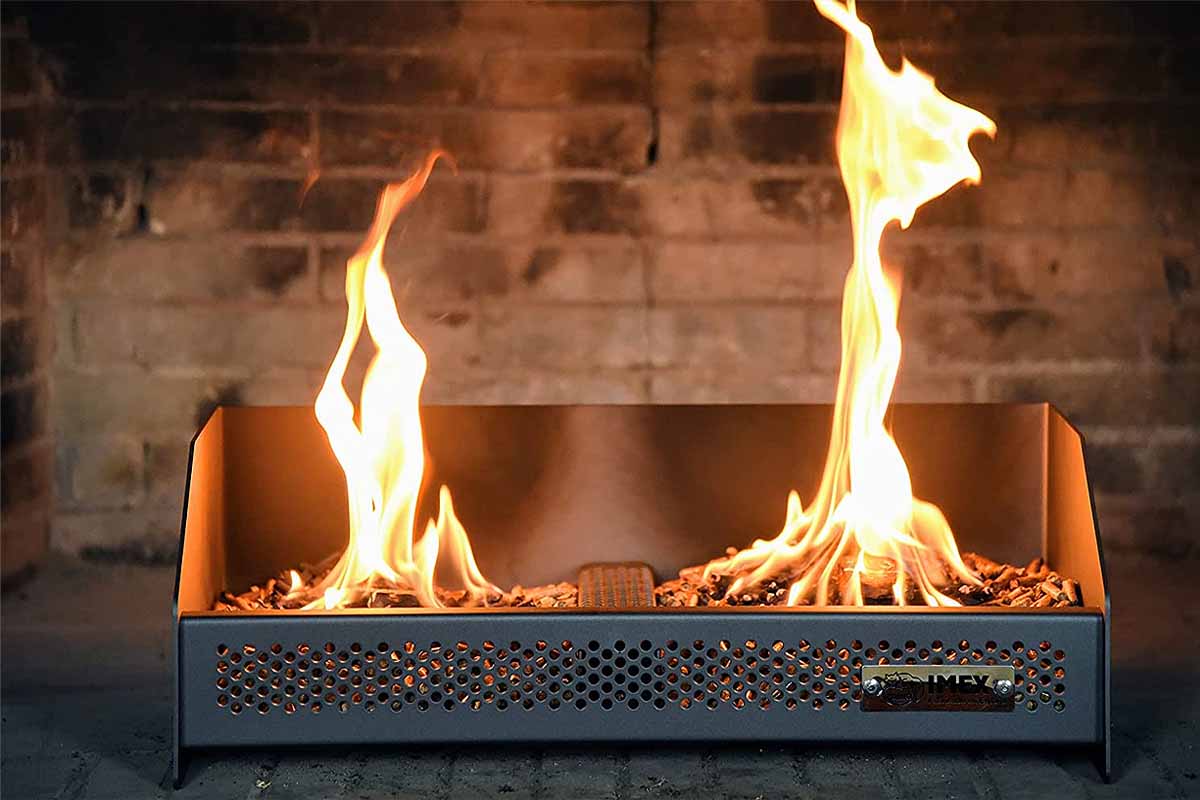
<point>544,489</point>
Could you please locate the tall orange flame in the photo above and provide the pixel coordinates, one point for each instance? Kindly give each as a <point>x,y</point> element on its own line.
<point>384,459</point>
<point>900,143</point>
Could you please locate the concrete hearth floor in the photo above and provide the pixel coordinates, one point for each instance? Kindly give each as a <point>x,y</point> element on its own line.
<point>86,714</point>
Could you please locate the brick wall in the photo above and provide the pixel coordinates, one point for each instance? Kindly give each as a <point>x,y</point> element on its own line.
<point>26,338</point>
<point>646,210</point>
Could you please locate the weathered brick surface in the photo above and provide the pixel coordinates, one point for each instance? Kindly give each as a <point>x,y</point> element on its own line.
<point>647,209</point>
<point>29,226</point>
<point>529,141</point>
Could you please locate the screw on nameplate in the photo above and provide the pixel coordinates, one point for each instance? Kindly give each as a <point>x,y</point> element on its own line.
<point>921,687</point>
<point>622,585</point>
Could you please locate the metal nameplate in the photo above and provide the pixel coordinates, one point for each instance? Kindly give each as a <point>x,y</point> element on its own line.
<point>904,687</point>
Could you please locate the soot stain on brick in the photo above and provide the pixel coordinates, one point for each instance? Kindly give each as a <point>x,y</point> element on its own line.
<point>1178,277</point>
<point>595,146</point>
<point>20,415</point>
<point>18,348</point>
<point>791,79</point>
<point>785,137</point>
<point>998,323</point>
<point>540,263</point>
<point>229,394</point>
<point>593,207</point>
<point>151,551</point>
<point>698,139</point>
<point>704,91</point>
<point>275,270</point>
<point>802,201</point>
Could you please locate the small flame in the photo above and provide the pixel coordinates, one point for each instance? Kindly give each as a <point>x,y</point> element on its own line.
<point>384,459</point>
<point>900,143</point>
<point>333,597</point>
<point>297,583</point>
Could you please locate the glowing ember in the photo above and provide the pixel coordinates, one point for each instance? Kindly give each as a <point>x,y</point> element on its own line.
<point>384,458</point>
<point>900,143</point>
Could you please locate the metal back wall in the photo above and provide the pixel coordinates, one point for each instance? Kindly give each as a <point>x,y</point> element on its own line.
<point>545,489</point>
<point>550,676</point>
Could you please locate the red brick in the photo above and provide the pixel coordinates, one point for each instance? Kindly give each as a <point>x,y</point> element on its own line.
<point>1117,468</point>
<point>201,201</point>
<point>112,134</point>
<point>791,207</point>
<point>611,139</point>
<point>207,337</point>
<point>1109,135</point>
<point>25,345</point>
<point>101,199</point>
<point>1100,331</point>
<point>1173,204</point>
<point>947,20</point>
<point>1178,267</point>
<point>1058,199</point>
<point>125,400</point>
<point>172,271</point>
<point>761,138</point>
<point>102,473</point>
<point>933,267</point>
<point>563,337</point>
<point>570,272</point>
<point>147,535</point>
<point>22,274</point>
<point>23,541</point>
<point>165,459</point>
<point>706,272</point>
<point>751,383</point>
<point>297,78</point>
<point>538,205</point>
<point>700,24</point>
<point>537,387</point>
<point>531,80</point>
<point>1175,335</point>
<point>1033,267</point>
<point>686,77</point>
<point>229,22</point>
<point>22,209</point>
<point>1127,398</point>
<point>448,203</point>
<point>17,70</point>
<point>729,335</point>
<point>564,271</point>
<point>485,25</point>
<point>28,477</point>
<point>1175,466</point>
<point>22,140</point>
<point>1043,72</point>
<point>23,417</point>
<point>933,386</point>
<point>227,338</point>
<point>1156,529</point>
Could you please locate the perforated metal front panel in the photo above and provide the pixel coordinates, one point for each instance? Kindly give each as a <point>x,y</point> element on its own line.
<point>428,677</point>
<point>350,677</point>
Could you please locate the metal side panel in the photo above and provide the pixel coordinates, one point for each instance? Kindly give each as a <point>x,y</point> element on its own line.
<point>475,677</point>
